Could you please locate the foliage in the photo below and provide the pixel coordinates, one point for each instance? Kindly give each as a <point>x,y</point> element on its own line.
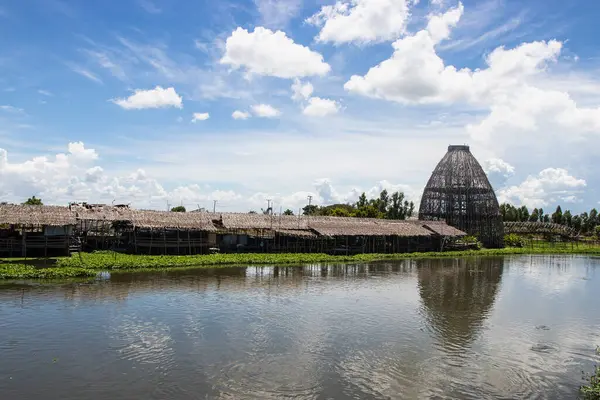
<point>470,241</point>
<point>22,271</point>
<point>591,391</point>
<point>384,206</point>
<point>597,231</point>
<point>33,201</point>
<point>178,209</point>
<point>288,212</point>
<point>89,264</point>
<point>584,223</point>
<point>513,240</point>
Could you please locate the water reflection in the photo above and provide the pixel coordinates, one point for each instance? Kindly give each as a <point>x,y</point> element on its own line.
<point>457,296</point>
<point>519,327</point>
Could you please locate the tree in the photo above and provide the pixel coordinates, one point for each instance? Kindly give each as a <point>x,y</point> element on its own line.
<point>178,209</point>
<point>557,217</point>
<point>288,212</point>
<point>534,217</point>
<point>33,201</point>
<point>310,210</point>
<point>541,214</point>
<point>523,214</point>
<point>567,218</point>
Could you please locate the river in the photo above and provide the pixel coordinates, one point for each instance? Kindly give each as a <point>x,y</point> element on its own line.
<point>505,327</point>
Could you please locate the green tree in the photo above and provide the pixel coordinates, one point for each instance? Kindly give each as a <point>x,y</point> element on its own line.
<point>557,217</point>
<point>178,209</point>
<point>523,214</point>
<point>567,218</point>
<point>541,214</point>
<point>534,217</point>
<point>33,201</point>
<point>577,223</point>
<point>310,210</point>
<point>288,212</point>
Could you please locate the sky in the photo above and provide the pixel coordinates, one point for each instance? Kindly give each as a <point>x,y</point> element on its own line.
<point>157,103</point>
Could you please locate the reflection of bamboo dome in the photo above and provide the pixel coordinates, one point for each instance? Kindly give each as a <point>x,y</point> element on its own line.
<point>458,295</point>
<point>460,193</point>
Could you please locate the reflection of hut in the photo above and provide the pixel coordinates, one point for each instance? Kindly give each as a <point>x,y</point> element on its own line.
<point>460,193</point>
<point>458,295</point>
<point>35,230</point>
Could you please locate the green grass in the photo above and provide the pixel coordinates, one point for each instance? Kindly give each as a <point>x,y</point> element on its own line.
<point>88,264</point>
<point>591,391</point>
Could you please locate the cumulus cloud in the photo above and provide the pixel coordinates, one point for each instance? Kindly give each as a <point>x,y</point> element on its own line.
<point>237,114</point>
<point>265,111</point>
<point>200,117</point>
<point>265,52</point>
<point>415,74</point>
<point>550,186</point>
<point>301,91</point>
<point>153,98</point>
<point>498,171</point>
<point>361,21</point>
<point>74,176</point>
<point>318,107</point>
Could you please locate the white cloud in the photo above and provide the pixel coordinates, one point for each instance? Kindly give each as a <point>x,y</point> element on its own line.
<point>200,117</point>
<point>74,177</point>
<point>549,187</point>
<point>415,74</point>
<point>277,13</point>
<point>318,107</point>
<point>361,21</point>
<point>499,166</point>
<point>153,98</point>
<point>498,171</point>
<point>12,109</point>
<point>85,73</point>
<point>265,111</point>
<point>237,114</point>
<point>301,91</point>
<point>264,52</point>
<point>45,93</point>
<point>149,6</point>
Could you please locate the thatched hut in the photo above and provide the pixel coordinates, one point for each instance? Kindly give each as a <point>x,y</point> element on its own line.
<point>460,193</point>
<point>35,230</point>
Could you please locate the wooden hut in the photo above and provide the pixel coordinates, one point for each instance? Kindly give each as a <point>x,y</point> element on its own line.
<point>40,231</point>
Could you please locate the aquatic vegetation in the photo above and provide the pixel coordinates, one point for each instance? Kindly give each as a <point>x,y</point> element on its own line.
<point>591,391</point>
<point>22,271</point>
<point>89,264</point>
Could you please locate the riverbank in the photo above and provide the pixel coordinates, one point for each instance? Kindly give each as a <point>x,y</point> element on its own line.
<point>89,264</point>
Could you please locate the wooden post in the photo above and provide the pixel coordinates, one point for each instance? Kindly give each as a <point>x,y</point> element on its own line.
<point>178,243</point>
<point>24,243</point>
<point>165,240</point>
<point>135,249</point>
<point>150,251</point>
<point>189,243</point>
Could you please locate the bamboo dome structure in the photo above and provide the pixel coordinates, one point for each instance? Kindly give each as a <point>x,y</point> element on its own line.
<point>460,193</point>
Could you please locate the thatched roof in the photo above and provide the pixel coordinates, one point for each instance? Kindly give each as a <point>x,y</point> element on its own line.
<point>302,233</point>
<point>300,226</point>
<point>440,227</point>
<point>258,221</point>
<point>172,220</point>
<point>333,226</point>
<point>26,215</point>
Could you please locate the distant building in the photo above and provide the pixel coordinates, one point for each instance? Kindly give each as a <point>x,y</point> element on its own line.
<point>460,193</point>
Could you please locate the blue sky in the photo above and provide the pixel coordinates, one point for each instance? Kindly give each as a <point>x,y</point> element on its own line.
<point>134,101</point>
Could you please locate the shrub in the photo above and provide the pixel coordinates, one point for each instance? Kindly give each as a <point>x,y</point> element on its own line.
<point>513,240</point>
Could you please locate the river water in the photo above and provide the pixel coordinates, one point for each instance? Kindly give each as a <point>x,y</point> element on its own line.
<point>514,327</point>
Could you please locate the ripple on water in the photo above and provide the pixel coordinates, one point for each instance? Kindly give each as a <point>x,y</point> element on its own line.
<point>268,376</point>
